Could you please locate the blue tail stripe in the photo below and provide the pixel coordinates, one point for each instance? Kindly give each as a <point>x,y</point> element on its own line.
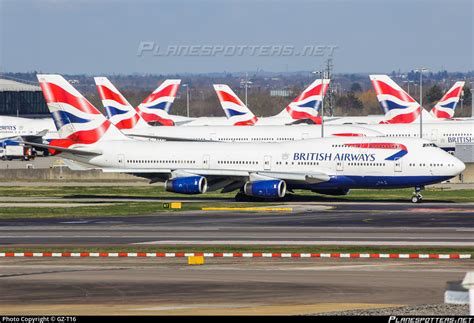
<point>111,111</point>
<point>62,118</point>
<point>160,106</point>
<point>232,113</point>
<point>310,104</point>
<point>390,105</point>
<point>451,105</point>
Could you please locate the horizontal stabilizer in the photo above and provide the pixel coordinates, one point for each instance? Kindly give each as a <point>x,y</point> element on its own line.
<point>169,138</point>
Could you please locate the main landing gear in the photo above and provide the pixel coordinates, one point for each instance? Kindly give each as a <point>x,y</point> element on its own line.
<point>417,197</point>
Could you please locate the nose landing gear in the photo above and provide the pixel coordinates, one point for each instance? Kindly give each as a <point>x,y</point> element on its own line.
<point>417,197</point>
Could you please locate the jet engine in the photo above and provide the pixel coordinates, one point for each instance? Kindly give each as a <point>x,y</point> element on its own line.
<point>266,189</point>
<point>187,185</point>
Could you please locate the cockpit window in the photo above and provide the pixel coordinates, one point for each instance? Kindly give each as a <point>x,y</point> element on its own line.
<point>429,145</point>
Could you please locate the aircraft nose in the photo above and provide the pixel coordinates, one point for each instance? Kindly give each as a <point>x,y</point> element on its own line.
<point>459,166</point>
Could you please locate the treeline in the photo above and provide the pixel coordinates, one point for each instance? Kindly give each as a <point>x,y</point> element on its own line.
<point>350,94</point>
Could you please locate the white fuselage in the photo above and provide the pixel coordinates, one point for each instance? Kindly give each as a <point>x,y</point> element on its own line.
<point>356,166</point>
<point>443,134</point>
<point>15,126</point>
<point>251,133</point>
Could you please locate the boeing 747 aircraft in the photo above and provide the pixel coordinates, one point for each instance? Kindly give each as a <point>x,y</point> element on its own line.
<point>264,170</point>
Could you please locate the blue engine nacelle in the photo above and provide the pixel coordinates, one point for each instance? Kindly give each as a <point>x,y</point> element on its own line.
<point>187,185</point>
<point>267,189</point>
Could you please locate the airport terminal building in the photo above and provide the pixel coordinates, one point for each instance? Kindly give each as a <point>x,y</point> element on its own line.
<point>21,99</point>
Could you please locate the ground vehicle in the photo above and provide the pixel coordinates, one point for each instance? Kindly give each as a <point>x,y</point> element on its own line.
<point>14,150</point>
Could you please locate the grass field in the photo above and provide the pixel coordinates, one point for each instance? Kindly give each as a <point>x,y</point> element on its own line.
<point>190,203</point>
<point>431,194</point>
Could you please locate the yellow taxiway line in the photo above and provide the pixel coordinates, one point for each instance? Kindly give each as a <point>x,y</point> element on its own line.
<point>254,209</point>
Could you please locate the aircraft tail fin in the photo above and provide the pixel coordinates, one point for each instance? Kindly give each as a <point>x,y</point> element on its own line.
<point>308,103</point>
<point>396,104</point>
<point>446,107</point>
<point>119,111</point>
<point>235,110</point>
<point>77,120</point>
<point>156,107</point>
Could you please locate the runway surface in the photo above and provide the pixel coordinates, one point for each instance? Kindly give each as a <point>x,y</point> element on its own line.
<point>439,224</point>
<point>167,286</point>
<point>222,286</point>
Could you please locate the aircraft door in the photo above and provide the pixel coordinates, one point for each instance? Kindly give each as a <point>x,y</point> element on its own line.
<point>340,167</point>
<point>398,165</point>
<point>434,134</point>
<point>267,163</point>
<point>120,160</point>
<point>205,161</point>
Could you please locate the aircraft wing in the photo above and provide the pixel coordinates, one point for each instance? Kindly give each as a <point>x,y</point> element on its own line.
<point>242,175</point>
<point>74,151</point>
<point>34,137</point>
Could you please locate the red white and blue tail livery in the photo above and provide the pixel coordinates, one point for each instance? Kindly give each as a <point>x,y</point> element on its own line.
<point>77,120</point>
<point>397,105</point>
<point>236,111</point>
<point>156,106</point>
<point>119,111</point>
<point>445,108</point>
<point>307,104</point>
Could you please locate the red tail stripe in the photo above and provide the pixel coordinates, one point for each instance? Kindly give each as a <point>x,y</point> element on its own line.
<point>314,91</point>
<point>404,118</point>
<point>299,115</point>
<point>169,90</point>
<point>453,94</point>
<point>249,122</point>
<point>227,97</point>
<point>128,123</point>
<point>383,88</point>
<point>82,137</point>
<point>441,114</point>
<point>56,94</point>
<point>90,136</point>
<point>107,94</point>
<point>149,117</point>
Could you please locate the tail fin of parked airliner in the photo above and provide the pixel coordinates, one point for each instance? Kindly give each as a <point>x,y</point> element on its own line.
<point>308,103</point>
<point>156,106</point>
<point>397,105</point>
<point>77,120</point>
<point>446,107</point>
<point>235,110</point>
<point>119,111</point>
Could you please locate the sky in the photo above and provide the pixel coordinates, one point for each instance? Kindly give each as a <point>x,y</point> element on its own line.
<point>361,36</point>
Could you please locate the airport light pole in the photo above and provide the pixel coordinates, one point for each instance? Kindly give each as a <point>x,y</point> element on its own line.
<point>472,99</point>
<point>421,70</point>
<point>187,98</point>
<point>322,101</point>
<point>408,83</point>
<point>245,83</point>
